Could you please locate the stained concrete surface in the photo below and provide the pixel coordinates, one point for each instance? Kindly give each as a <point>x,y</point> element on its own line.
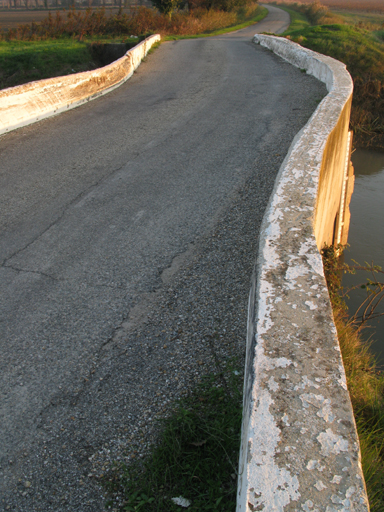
<point>172,170</point>
<point>299,432</point>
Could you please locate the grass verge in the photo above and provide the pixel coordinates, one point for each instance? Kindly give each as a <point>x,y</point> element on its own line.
<point>196,458</point>
<point>298,20</point>
<point>360,46</point>
<point>365,385</point>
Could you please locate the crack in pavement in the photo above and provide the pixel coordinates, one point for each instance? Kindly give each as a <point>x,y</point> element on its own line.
<point>61,215</point>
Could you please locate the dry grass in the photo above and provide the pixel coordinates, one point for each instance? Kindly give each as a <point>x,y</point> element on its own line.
<point>366,389</point>
<point>365,385</point>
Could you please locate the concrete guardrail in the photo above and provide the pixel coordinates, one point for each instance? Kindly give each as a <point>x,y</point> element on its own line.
<point>28,103</point>
<point>300,450</point>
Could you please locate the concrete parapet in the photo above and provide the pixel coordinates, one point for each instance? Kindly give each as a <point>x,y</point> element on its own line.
<point>28,103</point>
<point>300,450</point>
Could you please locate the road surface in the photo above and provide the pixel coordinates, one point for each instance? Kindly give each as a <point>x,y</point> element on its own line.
<point>129,231</point>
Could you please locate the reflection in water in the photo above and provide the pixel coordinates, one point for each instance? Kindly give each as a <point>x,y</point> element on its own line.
<point>367,162</point>
<point>366,233</point>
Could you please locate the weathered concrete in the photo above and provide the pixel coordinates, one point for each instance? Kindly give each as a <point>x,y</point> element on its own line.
<point>28,103</point>
<point>300,449</point>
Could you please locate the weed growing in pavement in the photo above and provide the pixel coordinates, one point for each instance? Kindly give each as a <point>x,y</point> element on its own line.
<point>196,458</point>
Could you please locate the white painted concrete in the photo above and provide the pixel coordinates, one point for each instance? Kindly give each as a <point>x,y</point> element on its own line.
<point>25,104</point>
<point>300,449</point>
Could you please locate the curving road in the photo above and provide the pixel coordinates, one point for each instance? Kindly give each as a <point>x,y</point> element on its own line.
<point>128,236</point>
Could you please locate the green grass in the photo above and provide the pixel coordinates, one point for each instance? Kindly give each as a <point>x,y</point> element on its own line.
<point>196,457</point>
<point>260,16</point>
<point>25,61</point>
<point>298,20</point>
<point>356,48</point>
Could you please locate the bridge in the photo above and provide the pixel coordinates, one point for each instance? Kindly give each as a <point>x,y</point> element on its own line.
<point>130,228</point>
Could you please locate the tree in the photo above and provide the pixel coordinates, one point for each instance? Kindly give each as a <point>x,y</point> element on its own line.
<point>166,6</point>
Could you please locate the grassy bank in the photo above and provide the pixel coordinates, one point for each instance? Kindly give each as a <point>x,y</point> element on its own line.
<point>360,45</point>
<point>196,458</point>
<point>25,61</point>
<point>365,385</point>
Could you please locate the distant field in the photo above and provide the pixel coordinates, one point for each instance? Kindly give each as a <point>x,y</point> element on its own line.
<point>11,19</point>
<point>350,5</point>
<point>351,18</point>
<point>364,5</point>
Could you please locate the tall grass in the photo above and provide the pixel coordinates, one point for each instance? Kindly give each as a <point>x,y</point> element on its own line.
<point>365,386</point>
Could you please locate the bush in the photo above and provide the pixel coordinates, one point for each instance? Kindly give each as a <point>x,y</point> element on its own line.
<point>167,7</point>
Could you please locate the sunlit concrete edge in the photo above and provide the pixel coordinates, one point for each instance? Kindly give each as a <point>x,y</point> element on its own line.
<point>300,449</point>
<point>28,103</point>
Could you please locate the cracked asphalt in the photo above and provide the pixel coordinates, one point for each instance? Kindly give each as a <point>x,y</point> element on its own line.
<point>129,232</point>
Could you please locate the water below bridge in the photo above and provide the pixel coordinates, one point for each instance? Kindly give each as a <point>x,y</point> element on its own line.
<point>366,235</point>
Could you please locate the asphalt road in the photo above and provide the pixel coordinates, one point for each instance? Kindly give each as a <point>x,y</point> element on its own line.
<point>129,230</point>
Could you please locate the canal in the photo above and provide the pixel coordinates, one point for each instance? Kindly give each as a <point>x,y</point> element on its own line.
<point>366,236</point>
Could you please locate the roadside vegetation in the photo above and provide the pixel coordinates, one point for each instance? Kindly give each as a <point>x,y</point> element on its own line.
<point>63,43</point>
<point>357,39</point>
<point>365,381</point>
<point>194,464</point>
